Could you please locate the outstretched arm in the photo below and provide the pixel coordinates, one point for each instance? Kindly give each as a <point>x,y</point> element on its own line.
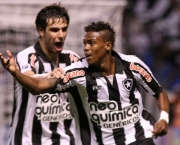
<point>161,127</point>
<point>34,86</point>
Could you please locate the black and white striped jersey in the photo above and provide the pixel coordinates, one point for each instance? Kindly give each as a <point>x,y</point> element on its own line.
<point>113,108</point>
<point>44,119</point>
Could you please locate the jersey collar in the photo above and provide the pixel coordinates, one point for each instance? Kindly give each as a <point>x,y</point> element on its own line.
<point>119,66</point>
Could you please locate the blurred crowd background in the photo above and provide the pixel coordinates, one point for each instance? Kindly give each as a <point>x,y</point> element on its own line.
<point>149,29</point>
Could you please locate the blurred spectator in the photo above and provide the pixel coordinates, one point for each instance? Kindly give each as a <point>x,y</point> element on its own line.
<point>151,30</point>
<point>175,108</point>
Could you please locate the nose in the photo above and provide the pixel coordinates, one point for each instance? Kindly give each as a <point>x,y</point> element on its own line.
<point>85,48</point>
<point>61,34</point>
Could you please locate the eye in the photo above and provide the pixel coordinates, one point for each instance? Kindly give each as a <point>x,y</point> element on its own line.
<point>84,42</point>
<point>64,29</point>
<point>91,42</point>
<point>54,29</point>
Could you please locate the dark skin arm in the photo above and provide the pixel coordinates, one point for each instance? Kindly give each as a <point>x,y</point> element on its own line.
<point>161,126</point>
<point>34,86</point>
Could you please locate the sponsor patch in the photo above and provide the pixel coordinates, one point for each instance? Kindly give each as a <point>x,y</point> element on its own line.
<point>142,71</point>
<point>107,115</point>
<point>73,74</point>
<point>127,84</point>
<point>24,66</point>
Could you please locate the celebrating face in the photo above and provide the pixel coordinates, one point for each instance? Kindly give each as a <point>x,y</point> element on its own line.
<point>54,35</point>
<point>94,48</point>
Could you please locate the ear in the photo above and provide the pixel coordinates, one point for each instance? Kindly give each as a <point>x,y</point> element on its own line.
<point>108,46</point>
<point>41,31</point>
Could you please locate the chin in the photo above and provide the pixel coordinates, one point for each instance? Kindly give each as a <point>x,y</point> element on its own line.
<point>89,62</point>
<point>59,50</point>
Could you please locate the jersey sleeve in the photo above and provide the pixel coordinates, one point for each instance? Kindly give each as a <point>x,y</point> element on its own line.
<point>26,61</point>
<point>144,76</point>
<point>75,75</point>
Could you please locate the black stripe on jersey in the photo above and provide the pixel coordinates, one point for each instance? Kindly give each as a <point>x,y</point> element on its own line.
<point>114,94</point>
<point>37,127</point>
<point>83,122</point>
<point>41,67</point>
<point>64,58</point>
<point>55,136</point>
<point>14,104</point>
<point>21,118</point>
<point>91,81</point>
<point>36,131</point>
<point>67,124</point>
<point>139,131</point>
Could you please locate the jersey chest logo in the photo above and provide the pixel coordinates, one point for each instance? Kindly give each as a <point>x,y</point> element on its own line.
<point>107,115</point>
<point>49,108</point>
<point>127,84</point>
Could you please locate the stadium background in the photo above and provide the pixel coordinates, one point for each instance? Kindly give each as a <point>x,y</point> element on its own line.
<point>149,29</point>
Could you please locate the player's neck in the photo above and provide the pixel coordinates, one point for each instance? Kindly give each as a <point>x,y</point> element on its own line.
<point>53,57</point>
<point>107,67</point>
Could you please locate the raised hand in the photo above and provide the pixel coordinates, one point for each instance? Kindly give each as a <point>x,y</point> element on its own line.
<point>9,62</point>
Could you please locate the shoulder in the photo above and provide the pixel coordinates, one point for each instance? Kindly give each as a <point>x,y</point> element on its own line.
<point>81,64</point>
<point>28,50</point>
<point>74,57</point>
<point>129,58</point>
<point>26,54</point>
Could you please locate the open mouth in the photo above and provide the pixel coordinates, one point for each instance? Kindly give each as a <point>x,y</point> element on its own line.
<point>87,56</point>
<point>59,44</point>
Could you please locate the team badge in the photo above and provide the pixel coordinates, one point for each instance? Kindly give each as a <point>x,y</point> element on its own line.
<point>127,84</point>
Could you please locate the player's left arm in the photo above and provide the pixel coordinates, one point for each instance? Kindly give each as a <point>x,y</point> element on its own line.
<point>161,126</point>
<point>145,77</point>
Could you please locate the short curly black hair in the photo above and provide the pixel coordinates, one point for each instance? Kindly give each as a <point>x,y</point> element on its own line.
<point>54,11</point>
<point>110,33</point>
